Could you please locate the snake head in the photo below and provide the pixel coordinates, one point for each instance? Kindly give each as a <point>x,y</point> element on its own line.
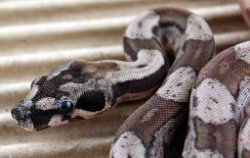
<point>67,93</point>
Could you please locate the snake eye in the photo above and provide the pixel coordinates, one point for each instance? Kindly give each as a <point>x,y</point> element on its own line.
<point>66,107</point>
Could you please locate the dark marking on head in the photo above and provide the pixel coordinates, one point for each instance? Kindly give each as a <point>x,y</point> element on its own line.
<point>49,89</point>
<point>76,70</point>
<point>44,118</point>
<point>92,101</point>
<point>39,81</point>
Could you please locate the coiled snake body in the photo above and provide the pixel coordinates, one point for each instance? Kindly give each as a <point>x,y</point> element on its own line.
<point>153,41</point>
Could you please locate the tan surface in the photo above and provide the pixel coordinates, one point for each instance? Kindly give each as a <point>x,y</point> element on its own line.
<point>36,36</point>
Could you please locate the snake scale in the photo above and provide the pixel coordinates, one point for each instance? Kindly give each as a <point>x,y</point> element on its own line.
<point>169,53</point>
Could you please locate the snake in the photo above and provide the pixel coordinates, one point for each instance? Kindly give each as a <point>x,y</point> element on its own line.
<point>170,61</point>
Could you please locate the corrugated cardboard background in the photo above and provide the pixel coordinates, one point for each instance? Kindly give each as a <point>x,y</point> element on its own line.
<point>36,36</point>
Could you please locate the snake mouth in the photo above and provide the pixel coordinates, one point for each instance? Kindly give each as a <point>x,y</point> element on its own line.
<point>28,125</point>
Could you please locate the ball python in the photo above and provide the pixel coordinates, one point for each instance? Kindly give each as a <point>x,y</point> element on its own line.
<point>169,54</point>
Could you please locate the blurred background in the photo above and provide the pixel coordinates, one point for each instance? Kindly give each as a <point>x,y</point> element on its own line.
<point>36,36</point>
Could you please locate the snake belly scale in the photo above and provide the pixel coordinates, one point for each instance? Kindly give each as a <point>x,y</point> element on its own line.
<point>166,48</point>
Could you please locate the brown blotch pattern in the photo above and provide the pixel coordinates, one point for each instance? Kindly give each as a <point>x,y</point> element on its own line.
<point>173,17</point>
<point>221,138</point>
<point>158,114</point>
<point>227,65</point>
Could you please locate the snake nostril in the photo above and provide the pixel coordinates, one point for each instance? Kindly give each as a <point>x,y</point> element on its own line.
<point>15,113</point>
